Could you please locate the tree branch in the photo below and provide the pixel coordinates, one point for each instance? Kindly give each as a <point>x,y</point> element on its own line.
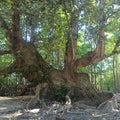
<point>99,53</point>
<point>100,49</point>
<point>14,34</point>
<point>88,59</point>
<point>70,53</point>
<point>16,31</point>
<point>93,57</point>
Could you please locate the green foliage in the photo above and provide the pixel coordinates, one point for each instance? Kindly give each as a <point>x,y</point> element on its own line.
<point>9,79</point>
<point>60,92</point>
<point>108,84</point>
<point>5,60</point>
<point>82,47</point>
<point>8,85</point>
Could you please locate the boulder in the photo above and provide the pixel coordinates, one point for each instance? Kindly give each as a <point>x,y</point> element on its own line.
<point>118,97</point>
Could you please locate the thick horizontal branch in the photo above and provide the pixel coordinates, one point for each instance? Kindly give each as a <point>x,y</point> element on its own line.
<point>5,52</point>
<point>88,59</point>
<point>92,57</point>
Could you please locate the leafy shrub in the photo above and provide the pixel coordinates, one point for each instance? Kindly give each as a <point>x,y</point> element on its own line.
<point>61,92</point>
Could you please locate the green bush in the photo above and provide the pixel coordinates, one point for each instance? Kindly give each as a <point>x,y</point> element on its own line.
<point>61,92</point>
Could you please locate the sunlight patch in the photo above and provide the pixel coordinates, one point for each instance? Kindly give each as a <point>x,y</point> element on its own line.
<point>34,110</point>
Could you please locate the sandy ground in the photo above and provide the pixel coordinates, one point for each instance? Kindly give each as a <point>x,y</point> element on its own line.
<point>14,109</point>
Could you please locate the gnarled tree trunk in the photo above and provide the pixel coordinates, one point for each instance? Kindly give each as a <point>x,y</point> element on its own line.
<point>34,68</point>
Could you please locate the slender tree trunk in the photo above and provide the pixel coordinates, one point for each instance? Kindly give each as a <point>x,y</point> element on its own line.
<point>117,74</point>
<point>114,76</point>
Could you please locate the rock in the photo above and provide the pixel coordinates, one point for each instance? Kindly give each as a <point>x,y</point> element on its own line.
<point>103,118</point>
<point>118,97</point>
<point>115,103</point>
<point>59,118</point>
<point>106,106</point>
<point>34,110</point>
<point>14,109</point>
<point>109,105</point>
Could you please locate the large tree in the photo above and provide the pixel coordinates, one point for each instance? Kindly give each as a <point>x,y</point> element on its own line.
<point>50,22</point>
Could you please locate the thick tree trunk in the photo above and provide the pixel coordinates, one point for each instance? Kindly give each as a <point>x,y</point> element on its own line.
<point>34,68</point>
<point>79,88</point>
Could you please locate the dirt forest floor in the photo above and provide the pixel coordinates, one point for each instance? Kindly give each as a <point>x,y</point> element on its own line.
<point>13,108</point>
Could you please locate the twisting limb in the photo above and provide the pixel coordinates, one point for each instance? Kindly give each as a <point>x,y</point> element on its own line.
<point>93,57</point>
<point>88,59</point>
